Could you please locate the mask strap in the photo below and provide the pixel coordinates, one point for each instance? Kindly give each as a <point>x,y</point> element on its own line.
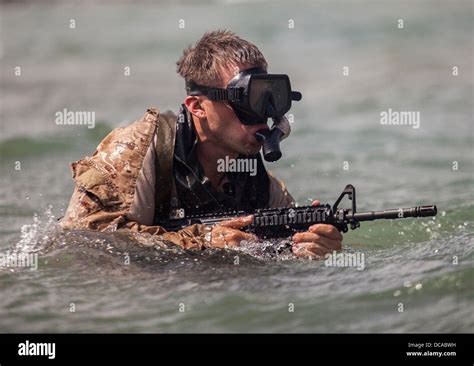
<point>230,94</point>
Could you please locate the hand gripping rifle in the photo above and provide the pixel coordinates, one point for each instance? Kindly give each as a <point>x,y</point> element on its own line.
<point>283,222</point>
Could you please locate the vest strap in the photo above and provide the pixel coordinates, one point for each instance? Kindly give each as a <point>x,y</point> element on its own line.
<point>164,181</point>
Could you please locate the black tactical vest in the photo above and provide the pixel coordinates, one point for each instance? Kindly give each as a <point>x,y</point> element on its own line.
<point>194,192</point>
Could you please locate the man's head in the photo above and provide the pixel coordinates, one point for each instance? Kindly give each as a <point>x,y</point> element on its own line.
<point>213,61</point>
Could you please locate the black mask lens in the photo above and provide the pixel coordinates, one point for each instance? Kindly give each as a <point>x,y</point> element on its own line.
<point>269,97</point>
<point>246,117</point>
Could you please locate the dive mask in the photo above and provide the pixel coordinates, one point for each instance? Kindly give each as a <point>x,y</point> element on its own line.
<point>255,96</point>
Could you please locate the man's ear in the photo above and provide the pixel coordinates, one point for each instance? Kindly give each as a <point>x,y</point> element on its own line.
<point>194,106</point>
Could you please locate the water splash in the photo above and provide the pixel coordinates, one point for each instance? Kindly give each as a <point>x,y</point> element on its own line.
<point>35,235</point>
<point>271,249</point>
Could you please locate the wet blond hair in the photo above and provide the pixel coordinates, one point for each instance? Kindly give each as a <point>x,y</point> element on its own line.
<point>215,51</point>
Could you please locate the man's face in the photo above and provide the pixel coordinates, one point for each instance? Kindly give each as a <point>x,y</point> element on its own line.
<point>222,126</point>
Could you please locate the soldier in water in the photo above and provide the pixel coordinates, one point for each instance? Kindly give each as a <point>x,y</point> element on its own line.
<point>164,163</point>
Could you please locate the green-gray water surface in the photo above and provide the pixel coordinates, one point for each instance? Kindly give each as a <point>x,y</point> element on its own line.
<point>421,266</point>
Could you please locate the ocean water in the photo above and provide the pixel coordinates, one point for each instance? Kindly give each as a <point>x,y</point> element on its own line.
<point>418,273</point>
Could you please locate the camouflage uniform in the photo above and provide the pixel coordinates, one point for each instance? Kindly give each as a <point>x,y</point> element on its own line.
<point>115,187</point>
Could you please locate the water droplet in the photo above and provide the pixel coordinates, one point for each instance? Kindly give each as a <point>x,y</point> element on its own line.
<point>418,286</point>
<point>27,197</point>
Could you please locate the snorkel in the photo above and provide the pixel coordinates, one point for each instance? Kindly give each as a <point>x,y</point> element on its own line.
<point>256,96</point>
<point>272,137</point>
<point>270,142</point>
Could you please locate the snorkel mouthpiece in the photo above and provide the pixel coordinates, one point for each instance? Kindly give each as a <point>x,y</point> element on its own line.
<point>270,138</point>
<point>271,142</point>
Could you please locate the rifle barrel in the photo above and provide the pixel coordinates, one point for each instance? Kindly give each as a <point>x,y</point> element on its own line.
<point>419,211</point>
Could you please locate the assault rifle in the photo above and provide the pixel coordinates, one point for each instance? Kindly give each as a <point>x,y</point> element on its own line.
<point>283,222</point>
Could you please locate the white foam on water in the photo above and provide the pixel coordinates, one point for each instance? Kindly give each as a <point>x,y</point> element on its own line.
<point>36,234</point>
